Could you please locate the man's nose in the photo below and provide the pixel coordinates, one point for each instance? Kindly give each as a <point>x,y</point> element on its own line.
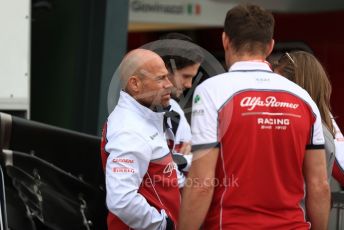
<point>188,83</point>
<point>168,84</point>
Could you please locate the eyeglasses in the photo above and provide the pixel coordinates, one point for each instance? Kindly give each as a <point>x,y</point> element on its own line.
<point>281,62</point>
<point>286,66</point>
<point>289,57</point>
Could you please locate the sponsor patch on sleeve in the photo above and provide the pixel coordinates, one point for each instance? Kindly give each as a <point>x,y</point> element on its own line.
<point>122,160</point>
<point>123,170</point>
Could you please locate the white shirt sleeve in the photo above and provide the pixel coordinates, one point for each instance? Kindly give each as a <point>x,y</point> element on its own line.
<point>339,144</point>
<point>129,157</point>
<point>203,120</point>
<point>183,132</point>
<point>317,135</point>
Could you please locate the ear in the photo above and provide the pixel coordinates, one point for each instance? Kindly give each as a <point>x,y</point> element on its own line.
<point>225,41</point>
<point>134,84</point>
<point>270,47</point>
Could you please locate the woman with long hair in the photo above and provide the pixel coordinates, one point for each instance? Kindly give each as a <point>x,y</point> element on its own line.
<point>304,69</point>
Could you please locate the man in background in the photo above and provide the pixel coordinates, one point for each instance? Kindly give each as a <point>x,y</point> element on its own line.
<point>182,58</point>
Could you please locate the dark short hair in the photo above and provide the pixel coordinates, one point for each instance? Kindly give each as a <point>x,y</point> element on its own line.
<point>249,27</point>
<point>179,58</point>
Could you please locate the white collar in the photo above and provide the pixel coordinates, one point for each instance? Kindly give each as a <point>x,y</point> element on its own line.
<point>128,102</point>
<point>251,65</point>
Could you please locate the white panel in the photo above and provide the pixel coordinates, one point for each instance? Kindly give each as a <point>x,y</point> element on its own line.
<point>14,54</point>
<point>213,12</point>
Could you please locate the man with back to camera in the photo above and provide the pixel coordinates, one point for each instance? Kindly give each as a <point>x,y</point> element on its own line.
<point>257,142</point>
<point>182,59</point>
<point>141,184</point>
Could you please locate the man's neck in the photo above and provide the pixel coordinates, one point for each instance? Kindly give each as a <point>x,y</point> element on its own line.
<point>246,57</point>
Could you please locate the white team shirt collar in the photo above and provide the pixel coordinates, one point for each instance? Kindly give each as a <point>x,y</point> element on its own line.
<point>251,65</point>
<point>128,102</point>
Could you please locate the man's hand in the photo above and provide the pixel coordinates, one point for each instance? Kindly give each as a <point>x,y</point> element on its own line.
<point>186,148</point>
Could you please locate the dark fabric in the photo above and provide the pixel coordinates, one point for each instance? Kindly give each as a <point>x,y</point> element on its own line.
<point>175,119</point>
<point>180,161</point>
<point>169,224</point>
